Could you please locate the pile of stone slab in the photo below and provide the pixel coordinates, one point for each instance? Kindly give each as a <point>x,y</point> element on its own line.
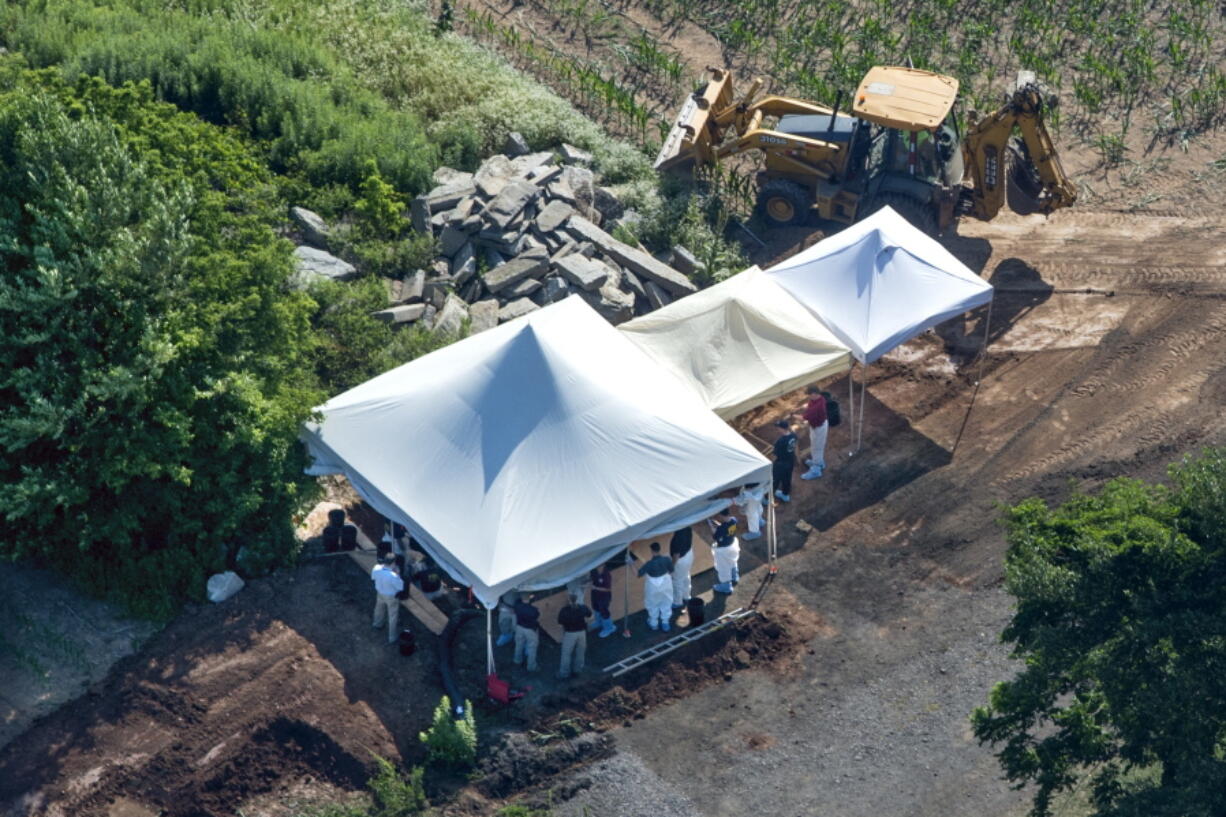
<point>523,231</point>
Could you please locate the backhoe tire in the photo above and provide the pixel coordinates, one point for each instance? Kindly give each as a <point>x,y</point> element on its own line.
<point>782,203</point>
<point>1023,184</point>
<point>920,214</point>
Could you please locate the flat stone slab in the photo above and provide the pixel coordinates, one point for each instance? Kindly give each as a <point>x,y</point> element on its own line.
<point>509,203</point>
<point>411,287</point>
<point>451,317</point>
<point>406,313</point>
<point>311,261</point>
<point>447,196</point>
<point>483,315</point>
<point>514,271</point>
<point>314,229</point>
<point>637,261</point>
<point>573,155</point>
<point>583,272</point>
<point>516,309</point>
<point>522,289</point>
<point>553,216</point>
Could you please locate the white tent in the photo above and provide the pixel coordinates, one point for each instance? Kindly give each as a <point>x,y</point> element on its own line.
<point>740,343</point>
<point>525,455</point>
<point>880,282</point>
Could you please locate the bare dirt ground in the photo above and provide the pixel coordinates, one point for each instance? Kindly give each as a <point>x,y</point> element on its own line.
<point>1107,356</point>
<point>850,697</point>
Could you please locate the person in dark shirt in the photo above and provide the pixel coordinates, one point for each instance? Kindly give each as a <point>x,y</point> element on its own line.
<point>573,618</point>
<point>726,550</point>
<point>681,549</point>
<point>815,416</point>
<point>785,462</point>
<point>527,632</point>
<point>602,599</point>
<point>657,589</point>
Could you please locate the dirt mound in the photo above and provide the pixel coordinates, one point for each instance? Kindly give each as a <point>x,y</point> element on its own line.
<point>284,686</point>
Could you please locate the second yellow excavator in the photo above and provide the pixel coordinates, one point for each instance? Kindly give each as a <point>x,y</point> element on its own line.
<point>900,145</point>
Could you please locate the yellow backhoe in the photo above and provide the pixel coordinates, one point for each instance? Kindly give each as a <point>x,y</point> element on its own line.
<point>900,145</point>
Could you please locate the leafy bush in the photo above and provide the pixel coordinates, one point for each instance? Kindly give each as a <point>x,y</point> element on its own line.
<point>150,352</point>
<point>396,796</point>
<point>277,86</point>
<point>449,741</point>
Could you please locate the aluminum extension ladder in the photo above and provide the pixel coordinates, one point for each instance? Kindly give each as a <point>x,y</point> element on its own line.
<point>676,642</point>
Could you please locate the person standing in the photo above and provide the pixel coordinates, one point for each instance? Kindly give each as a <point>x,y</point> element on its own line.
<point>785,462</point>
<point>527,632</point>
<point>727,551</point>
<point>602,599</point>
<point>681,549</point>
<point>750,499</point>
<point>819,426</point>
<point>657,589</point>
<point>387,584</point>
<point>573,618</point>
<point>506,618</point>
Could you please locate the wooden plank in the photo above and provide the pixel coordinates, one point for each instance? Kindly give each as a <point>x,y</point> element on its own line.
<point>421,608</point>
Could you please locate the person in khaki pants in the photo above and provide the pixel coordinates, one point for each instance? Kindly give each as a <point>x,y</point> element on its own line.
<point>527,632</point>
<point>573,618</point>
<point>387,584</point>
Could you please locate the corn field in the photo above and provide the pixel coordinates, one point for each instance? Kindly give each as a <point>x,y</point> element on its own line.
<point>1113,62</point>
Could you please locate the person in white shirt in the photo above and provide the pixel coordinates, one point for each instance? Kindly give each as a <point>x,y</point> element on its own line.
<point>387,584</point>
<point>750,500</point>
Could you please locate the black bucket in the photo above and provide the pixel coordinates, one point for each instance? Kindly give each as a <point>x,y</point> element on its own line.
<point>336,517</point>
<point>408,642</point>
<point>696,607</point>
<point>332,539</point>
<point>349,538</point>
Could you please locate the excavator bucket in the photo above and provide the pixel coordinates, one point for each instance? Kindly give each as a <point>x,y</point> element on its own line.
<point>691,137</point>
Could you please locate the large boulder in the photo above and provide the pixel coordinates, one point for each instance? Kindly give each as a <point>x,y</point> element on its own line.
<point>311,262</point>
<point>314,229</point>
<point>613,305</point>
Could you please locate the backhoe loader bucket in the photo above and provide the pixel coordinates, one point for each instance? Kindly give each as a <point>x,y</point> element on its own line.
<point>691,136</point>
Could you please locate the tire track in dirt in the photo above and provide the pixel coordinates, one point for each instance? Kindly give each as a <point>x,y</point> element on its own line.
<point>1180,345</point>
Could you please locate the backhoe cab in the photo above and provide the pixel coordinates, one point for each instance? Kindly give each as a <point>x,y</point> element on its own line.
<point>899,145</point>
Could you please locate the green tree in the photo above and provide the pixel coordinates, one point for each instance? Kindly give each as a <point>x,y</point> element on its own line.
<point>1121,623</point>
<point>151,354</point>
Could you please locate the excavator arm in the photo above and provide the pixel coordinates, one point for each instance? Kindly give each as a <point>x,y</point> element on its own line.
<point>991,154</point>
<point>700,134</point>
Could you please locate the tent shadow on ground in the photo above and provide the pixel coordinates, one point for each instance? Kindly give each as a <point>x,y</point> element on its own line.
<point>893,453</point>
<point>1018,289</point>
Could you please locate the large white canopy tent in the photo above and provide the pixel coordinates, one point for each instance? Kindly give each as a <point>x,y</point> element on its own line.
<point>740,343</point>
<point>525,455</point>
<point>879,283</point>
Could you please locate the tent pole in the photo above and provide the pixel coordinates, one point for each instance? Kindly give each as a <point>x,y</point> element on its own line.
<point>490,669</point>
<point>626,598</point>
<point>987,330</point>
<point>860,422</point>
<point>851,400</point>
<point>772,545</point>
